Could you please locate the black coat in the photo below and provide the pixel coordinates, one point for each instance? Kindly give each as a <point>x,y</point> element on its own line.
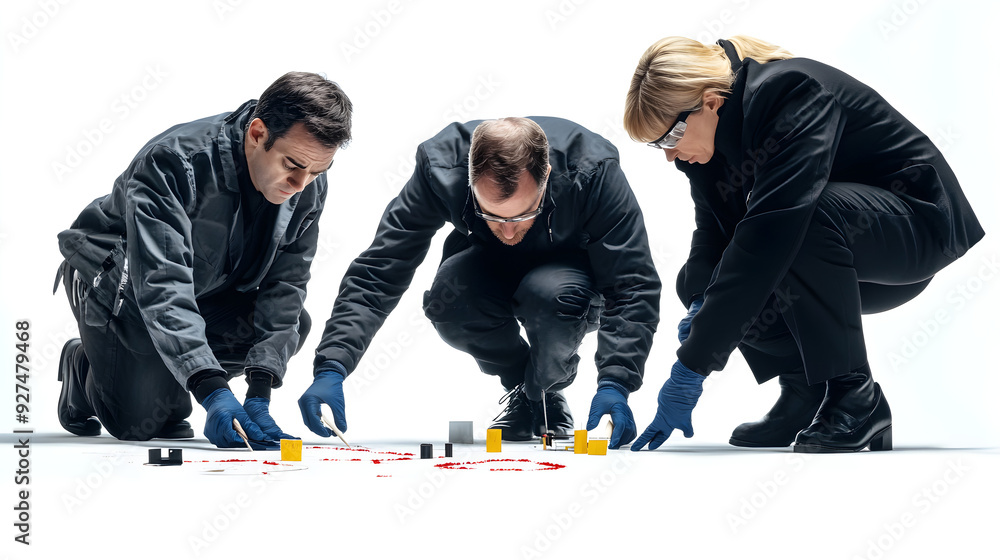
<point>174,216</point>
<point>788,128</point>
<point>589,208</point>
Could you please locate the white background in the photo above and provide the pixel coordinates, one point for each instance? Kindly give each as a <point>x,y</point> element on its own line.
<point>85,85</point>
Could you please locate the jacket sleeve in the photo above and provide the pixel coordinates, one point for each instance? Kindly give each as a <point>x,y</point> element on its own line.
<point>624,273</point>
<point>794,125</point>
<point>709,239</point>
<point>376,280</point>
<point>159,192</point>
<point>280,301</point>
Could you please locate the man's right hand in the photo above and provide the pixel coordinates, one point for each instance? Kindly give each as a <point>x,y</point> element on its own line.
<point>612,398</point>
<point>222,408</point>
<point>327,387</point>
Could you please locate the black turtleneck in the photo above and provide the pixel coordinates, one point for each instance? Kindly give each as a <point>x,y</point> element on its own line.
<point>257,217</point>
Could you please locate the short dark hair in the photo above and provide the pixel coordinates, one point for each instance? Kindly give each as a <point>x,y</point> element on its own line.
<point>307,98</point>
<point>504,148</point>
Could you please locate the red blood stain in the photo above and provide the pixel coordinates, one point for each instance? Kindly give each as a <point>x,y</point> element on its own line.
<point>545,465</point>
<point>270,463</point>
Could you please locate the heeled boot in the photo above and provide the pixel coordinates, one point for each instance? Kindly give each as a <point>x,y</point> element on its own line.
<point>854,415</point>
<point>794,410</point>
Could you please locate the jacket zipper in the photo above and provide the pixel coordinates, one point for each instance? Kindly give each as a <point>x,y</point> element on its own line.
<point>121,289</point>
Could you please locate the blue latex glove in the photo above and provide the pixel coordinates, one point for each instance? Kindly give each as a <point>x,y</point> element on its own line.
<point>677,398</point>
<point>257,408</point>
<point>684,327</point>
<point>612,398</point>
<point>327,387</point>
<point>222,408</point>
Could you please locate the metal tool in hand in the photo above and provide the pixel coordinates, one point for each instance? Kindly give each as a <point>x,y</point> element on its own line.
<point>546,434</point>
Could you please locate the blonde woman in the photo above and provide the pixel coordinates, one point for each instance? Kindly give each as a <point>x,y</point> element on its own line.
<point>815,202</point>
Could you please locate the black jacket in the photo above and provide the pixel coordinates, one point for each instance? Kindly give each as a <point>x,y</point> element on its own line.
<point>787,129</point>
<point>174,217</point>
<point>589,208</point>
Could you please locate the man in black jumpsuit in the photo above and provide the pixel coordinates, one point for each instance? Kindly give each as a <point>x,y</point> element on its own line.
<point>820,202</point>
<point>194,269</point>
<point>559,250</point>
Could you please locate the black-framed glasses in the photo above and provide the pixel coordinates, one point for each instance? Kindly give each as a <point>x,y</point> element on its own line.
<point>522,218</point>
<point>670,139</point>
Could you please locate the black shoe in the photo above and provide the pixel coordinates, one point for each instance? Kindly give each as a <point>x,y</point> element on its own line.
<point>73,410</point>
<point>179,429</point>
<point>516,422</point>
<point>523,419</point>
<point>854,415</point>
<point>794,411</point>
<point>559,416</point>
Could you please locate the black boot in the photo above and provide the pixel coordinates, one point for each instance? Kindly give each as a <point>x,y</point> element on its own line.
<point>75,413</point>
<point>559,416</point>
<point>854,415</point>
<point>794,410</point>
<point>516,422</point>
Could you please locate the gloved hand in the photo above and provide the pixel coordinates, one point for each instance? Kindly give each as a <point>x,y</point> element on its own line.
<point>257,408</point>
<point>684,327</point>
<point>612,398</point>
<point>327,387</point>
<point>222,408</point>
<point>677,398</point>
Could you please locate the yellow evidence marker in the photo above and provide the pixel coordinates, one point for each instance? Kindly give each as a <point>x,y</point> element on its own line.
<point>493,440</point>
<point>580,442</point>
<point>597,447</point>
<point>291,450</point>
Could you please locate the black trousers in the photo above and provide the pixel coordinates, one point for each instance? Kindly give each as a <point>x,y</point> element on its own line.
<point>128,386</point>
<point>479,301</point>
<point>865,251</point>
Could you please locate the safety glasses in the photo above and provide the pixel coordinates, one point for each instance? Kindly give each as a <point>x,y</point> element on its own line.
<point>669,140</point>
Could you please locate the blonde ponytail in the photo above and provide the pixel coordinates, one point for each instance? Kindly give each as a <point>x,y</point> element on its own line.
<point>761,51</point>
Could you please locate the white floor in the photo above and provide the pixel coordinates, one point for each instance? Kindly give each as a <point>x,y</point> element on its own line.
<point>95,498</point>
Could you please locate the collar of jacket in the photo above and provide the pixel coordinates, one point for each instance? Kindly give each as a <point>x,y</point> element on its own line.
<point>734,58</point>
<point>230,135</point>
<point>551,210</point>
<point>468,212</point>
<point>729,130</point>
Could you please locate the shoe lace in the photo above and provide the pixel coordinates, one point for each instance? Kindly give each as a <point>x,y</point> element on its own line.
<point>511,398</point>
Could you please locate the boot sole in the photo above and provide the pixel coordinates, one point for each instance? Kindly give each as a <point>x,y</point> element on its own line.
<point>881,441</point>
<point>745,443</point>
